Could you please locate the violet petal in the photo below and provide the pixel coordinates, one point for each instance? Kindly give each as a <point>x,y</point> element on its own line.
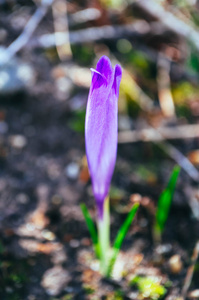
<point>101,127</point>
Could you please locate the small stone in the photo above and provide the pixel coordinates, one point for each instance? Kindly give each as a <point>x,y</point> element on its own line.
<point>133,295</point>
<point>194,294</point>
<point>15,75</point>
<point>136,198</point>
<point>22,198</point>
<point>164,249</point>
<point>55,280</point>
<point>58,257</point>
<point>18,141</point>
<point>95,265</point>
<point>25,74</point>
<point>86,242</point>
<point>48,235</point>
<point>74,243</point>
<point>118,267</point>
<point>72,171</point>
<point>175,264</point>
<point>56,200</point>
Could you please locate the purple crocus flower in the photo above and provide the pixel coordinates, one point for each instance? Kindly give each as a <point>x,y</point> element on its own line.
<point>101,127</point>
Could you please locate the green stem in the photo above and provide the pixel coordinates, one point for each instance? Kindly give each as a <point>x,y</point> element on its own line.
<point>104,238</point>
<point>157,235</point>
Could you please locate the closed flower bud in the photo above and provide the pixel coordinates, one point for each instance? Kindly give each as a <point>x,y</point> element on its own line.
<point>101,127</point>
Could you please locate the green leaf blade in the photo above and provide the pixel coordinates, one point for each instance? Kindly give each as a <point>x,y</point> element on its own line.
<point>125,226</point>
<point>165,199</point>
<point>121,235</point>
<point>91,227</point>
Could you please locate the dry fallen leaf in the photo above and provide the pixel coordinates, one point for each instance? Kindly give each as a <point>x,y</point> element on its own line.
<point>193,156</point>
<point>55,280</point>
<point>39,220</point>
<point>35,246</point>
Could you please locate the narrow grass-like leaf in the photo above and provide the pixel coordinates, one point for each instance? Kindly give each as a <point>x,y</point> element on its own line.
<point>165,200</point>
<point>91,227</point>
<point>120,237</point>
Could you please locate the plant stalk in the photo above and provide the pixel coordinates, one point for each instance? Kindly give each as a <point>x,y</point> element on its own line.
<point>157,234</point>
<point>104,237</point>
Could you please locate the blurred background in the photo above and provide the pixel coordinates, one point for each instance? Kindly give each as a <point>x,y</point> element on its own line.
<point>46,51</point>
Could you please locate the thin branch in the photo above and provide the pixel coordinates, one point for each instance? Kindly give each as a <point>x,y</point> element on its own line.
<point>164,86</point>
<point>170,21</point>
<point>59,9</point>
<point>24,37</point>
<point>190,271</point>
<point>162,134</point>
<point>192,193</point>
<point>136,32</point>
<point>136,29</point>
<point>181,160</point>
<point>83,16</point>
<point>92,34</point>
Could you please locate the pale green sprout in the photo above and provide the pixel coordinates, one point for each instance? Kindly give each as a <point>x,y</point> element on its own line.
<point>101,239</point>
<point>164,204</point>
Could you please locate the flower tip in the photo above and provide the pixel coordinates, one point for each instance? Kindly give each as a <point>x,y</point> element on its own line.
<point>117,79</point>
<point>118,70</point>
<point>104,66</point>
<point>104,58</point>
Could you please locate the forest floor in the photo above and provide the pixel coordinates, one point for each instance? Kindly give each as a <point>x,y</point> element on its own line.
<point>45,247</point>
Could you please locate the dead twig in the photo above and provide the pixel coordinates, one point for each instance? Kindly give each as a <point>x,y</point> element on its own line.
<point>92,34</point>
<point>164,86</point>
<point>24,37</point>
<point>190,271</point>
<point>181,160</point>
<point>59,9</point>
<point>83,16</point>
<point>163,134</point>
<point>165,20</point>
<point>169,20</point>
<point>192,193</point>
